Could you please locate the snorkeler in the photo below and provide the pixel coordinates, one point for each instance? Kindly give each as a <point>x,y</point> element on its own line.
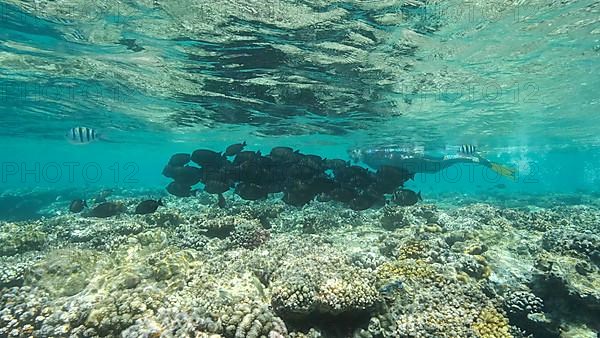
<point>414,159</point>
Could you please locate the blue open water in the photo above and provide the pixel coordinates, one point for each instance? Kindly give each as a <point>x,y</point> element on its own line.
<point>520,83</point>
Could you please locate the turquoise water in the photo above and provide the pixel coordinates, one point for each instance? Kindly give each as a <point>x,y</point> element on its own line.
<point>517,79</point>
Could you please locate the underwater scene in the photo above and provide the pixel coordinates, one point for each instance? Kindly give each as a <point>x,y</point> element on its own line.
<point>300,168</point>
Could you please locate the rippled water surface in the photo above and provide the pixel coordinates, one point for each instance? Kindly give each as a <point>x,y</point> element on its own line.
<point>517,78</point>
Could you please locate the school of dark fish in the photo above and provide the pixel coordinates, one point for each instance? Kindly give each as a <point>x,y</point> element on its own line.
<point>300,177</point>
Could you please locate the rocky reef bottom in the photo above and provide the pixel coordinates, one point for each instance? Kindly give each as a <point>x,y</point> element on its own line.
<point>264,269</point>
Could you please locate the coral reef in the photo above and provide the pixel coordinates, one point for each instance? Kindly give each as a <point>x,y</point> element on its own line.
<point>249,235</point>
<point>20,237</point>
<point>395,217</point>
<point>491,324</point>
<point>522,304</point>
<point>583,243</point>
<point>23,310</point>
<point>268,270</point>
<point>321,283</point>
<point>13,268</point>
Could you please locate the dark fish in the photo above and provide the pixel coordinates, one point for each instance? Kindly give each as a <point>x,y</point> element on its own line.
<point>265,162</point>
<point>283,154</point>
<point>298,198</point>
<point>226,174</point>
<point>363,201</point>
<point>351,172</point>
<point>312,161</point>
<point>302,171</point>
<point>216,187</point>
<point>179,160</point>
<point>324,197</point>
<point>251,171</point>
<point>315,158</point>
<point>221,201</point>
<point>393,175</point>
<point>354,176</point>
<point>107,209</point>
<point>274,187</point>
<point>406,197</point>
<point>245,156</point>
<point>323,184</point>
<point>251,191</point>
<point>500,186</point>
<point>336,163</point>
<point>273,172</point>
<point>81,135</point>
<point>234,149</point>
<point>169,171</point>
<point>148,206</point>
<point>384,187</point>
<point>343,194</point>
<point>208,158</point>
<point>299,193</point>
<point>180,190</point>
<point>77,206</point>
<point>232,172</point>
<point>389,178</point>
<point>301,178</point>
<point>187,175</point>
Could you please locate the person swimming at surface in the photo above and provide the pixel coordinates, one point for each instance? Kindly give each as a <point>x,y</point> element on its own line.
<point>415,161</point>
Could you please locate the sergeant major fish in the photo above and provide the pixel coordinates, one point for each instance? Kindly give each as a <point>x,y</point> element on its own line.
<point>467,149</point>
<point>82,135</point>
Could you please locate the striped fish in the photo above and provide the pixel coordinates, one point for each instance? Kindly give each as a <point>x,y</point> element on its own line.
<point>82,135</point>
<point>467,149</point>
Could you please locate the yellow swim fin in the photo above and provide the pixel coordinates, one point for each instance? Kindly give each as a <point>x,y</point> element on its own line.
<point>504,171</point>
